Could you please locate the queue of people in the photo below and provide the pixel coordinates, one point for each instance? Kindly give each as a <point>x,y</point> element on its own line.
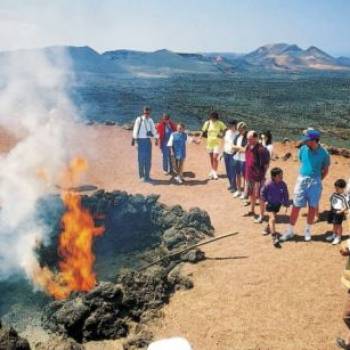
<point>247,157</point>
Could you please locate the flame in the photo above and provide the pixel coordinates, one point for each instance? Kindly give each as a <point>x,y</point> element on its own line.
<point>75,243</point>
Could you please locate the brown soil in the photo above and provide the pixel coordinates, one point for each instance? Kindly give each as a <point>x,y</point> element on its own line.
<point>249,295</point>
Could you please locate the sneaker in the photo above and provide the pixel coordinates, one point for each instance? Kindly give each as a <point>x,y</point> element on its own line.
<point>266,231</point>
<point>236,194</point>
<point>331,237</point>
<point>246,202</point>
<point>215,175</point>
<point>180,181</point>
<point>286,236</point>
<point>210,176</point>
<point>177,179</point>
<point>307,235</point>
<point>242,196</point>
<point>275,241</point>
<point>336,240</point>
<point>166,172</point>
<point>259,220</point>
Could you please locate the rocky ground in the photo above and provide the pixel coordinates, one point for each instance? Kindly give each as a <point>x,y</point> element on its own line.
<point>247,294</point>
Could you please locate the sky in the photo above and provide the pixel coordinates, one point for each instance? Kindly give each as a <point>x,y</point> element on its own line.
<point>179,25</point>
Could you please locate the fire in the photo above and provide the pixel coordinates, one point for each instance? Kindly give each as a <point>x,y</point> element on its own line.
<point>75,243</point>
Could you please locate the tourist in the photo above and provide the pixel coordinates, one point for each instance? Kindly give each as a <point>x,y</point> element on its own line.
<point>257,163</point>
<point>240,143</point>
<point>345,251</point>
<point>229,138</point>
<point>164,128</point>
<point>144,130</point>
<point>177,143</point>
<point>274,194</point>
<point>339,207</point>
<point>213,129</point>
<point>315,162</point>
<point>266,141</point>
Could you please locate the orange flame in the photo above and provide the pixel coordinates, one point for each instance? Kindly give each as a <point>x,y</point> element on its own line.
<point>75,244</point>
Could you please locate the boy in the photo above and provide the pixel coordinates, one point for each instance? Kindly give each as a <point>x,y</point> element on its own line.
<point>177,142</point>
<point>274,194</point>
<point>339,206</point>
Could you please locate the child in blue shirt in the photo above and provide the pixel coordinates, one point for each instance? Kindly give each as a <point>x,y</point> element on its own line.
<point>177,142</point>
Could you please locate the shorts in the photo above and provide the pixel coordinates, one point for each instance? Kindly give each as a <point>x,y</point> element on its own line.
<point>307,191</point>
<point>240,167</point>
<point>273,208</point>
<point>334,218</point>
<point>254,187</point>
<point>214,149</point>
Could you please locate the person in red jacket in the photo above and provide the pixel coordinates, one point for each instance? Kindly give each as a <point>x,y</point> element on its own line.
<point>165,128</point>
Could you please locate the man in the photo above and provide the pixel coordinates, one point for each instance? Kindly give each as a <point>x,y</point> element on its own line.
<point>144,130</point>
<point>165,128</point>
<point>257,162</point>
<point>314,166</point>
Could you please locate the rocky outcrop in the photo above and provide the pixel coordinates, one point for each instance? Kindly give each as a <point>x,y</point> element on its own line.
<point>339,151</point>
<point>10,340</point>
<point>58,343</point>
<point>107,310</point>
<point>132,223</point>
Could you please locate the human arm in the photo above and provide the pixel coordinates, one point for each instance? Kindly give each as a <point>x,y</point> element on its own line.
<point>136,128</point>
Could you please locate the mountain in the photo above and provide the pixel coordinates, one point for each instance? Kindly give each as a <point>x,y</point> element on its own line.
<point>161,62</point>
<point>285,57</point>
<point>77,59</point>
<point>344,61</point>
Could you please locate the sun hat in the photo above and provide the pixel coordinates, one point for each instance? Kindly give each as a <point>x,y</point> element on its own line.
<point>311,135</point>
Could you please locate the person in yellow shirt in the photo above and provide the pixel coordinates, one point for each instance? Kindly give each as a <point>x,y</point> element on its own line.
<point>213,129</point>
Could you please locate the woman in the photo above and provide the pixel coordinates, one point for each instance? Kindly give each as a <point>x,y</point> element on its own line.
<point>266,141</point>
<point>213,129</point>
<point>239,146</point>
<point>229,138</point>
<point>165,128</point>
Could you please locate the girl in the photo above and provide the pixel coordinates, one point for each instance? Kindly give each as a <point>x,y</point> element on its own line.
<point>213,129</point>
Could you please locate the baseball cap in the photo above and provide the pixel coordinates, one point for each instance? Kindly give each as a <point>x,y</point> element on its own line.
<point>311,135</point>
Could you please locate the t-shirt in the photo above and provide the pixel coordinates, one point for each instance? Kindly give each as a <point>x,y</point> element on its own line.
<point>339,202</point>
<point>313,161</point>
<point>240,155</point>
<point>275,193</point>
<point>214,129</point>
<point>178,142</point>
<point>228,141</point>
<point>257,162</point>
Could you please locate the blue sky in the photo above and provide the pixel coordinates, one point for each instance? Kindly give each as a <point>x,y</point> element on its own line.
<point>182,25</point>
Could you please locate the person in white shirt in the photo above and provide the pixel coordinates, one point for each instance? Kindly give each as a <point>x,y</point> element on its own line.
<point>239,146</point>
<point>144,130</point>
<point>229,138</point>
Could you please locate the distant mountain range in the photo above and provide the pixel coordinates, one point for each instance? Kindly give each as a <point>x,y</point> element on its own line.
<point>279,57</point>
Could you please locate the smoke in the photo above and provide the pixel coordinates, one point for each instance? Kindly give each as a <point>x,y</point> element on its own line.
<point>35,107</point>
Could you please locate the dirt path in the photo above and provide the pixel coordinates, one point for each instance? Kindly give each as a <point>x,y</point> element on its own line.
<point>289,298</point>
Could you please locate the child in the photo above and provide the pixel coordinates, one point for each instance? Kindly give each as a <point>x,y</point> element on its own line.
<point>274,194</point>
<point>177,142</point>
<point>344,250</point>
<point>339,206</point>
<point>229,138</point>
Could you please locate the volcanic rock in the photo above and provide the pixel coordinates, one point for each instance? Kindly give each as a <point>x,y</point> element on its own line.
<point>133,223</point>
<point>59,343</point>
<point>10,340</point>
<point>106,311</point>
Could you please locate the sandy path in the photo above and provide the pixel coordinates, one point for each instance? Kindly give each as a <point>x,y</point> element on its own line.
<point>288,298</point>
